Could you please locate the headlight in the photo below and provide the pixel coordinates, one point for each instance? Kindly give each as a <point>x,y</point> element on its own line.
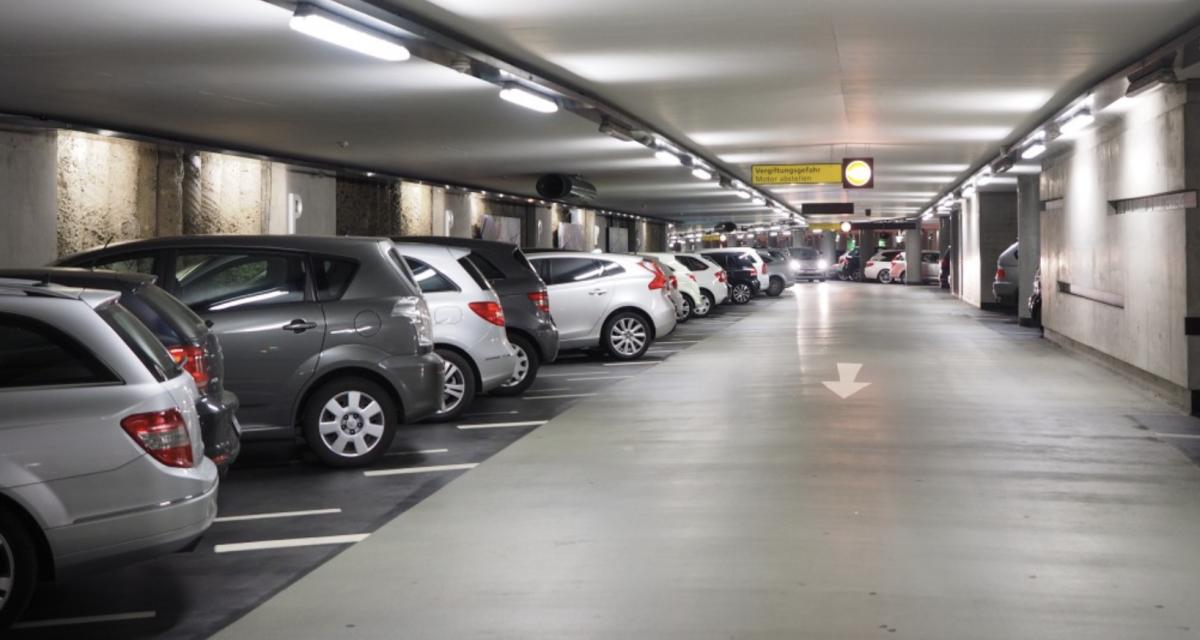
<point>795,265</point>
<point>822,264</point>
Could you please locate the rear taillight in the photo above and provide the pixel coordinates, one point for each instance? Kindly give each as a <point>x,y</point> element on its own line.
<point>660,279</point>
<point>870,263</point>
<point>674,282</point>
<point>164,435</point>
<point>1000,273</point>
<point>541,300</point>
<point>192,359</point>
<point>721,276</point>
<point>490,311</point>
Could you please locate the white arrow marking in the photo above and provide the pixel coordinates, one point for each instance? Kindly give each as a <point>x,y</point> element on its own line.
<point>847,387</point>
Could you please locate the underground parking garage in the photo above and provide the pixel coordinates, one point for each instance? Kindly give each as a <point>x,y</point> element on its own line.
<point>449,319</point>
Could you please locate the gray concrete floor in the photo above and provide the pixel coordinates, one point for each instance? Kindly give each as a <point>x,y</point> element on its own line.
<point>985,485</point>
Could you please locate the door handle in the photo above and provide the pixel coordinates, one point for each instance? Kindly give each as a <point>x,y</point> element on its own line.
<point>299,325</point>
<point>597,292</point>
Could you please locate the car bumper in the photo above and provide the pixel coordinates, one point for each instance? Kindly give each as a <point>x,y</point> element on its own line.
<point>218,425</point>
<point>418,380</point>
<point>1004,290</point>
<point>807,274</point>
<point>662,314</point>
<point>183,508</point>
<point>496,367</point>
<point>546,338</point>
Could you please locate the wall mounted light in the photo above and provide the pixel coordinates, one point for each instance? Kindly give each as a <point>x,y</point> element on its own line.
<point>1078,122</point>
<point>335,29</point>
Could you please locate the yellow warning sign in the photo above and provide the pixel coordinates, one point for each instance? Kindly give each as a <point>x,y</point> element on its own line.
<point>812,173</point>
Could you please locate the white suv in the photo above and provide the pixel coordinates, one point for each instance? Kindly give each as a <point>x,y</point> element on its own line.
<point>619,303</point>
<point>698,304</point>
<point>713,281</point>
<point>760,266</point>
<point>468,323</point>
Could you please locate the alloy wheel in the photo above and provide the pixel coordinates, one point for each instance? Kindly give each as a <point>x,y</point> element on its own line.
<point>8,571</point>
<point>522,368</point>
<point>685,311</point>
<point>628,336</point>
<point>741,294</point>
<point>704,305</point>
<point>351,423</point>
<point>455,386</point>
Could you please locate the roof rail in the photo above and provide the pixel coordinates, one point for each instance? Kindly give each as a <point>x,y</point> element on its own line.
<point>35,289</point>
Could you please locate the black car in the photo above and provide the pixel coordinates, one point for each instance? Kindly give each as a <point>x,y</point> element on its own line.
<point>741,271</point>
<point>185,335</point>
<point>523,295</point>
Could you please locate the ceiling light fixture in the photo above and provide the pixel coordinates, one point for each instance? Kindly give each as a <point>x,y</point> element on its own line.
<point>1078,122</point>
<point>743,194</point>
<point>668,157</point>
<point>1034,150</point>
<point>701,173</point>
<point>107,132</point>
<point>334,29</point>
<point>523,97</point>
<point>758,200</point>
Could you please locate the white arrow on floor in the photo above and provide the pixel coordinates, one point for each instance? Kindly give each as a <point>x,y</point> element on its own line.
<point>847,387</point>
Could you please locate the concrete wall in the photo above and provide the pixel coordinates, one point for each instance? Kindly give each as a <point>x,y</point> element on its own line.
<point>107,191</point>
<point>1129,271</point>
<point>28,178</point>
<point>987,226</point>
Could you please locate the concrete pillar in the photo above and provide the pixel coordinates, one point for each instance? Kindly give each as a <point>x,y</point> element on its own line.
<point>956,251</point>
<point>827,245</point>
<point>29,215</point>
<point>912,256</point>
<point>866,249</point>
<point>1029,231</point>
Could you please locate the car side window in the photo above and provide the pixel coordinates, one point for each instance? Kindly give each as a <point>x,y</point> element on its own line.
<point>34,354</point>
<point>485,266</point>
<point>692,264</point>
<point>542,267</point>
<point>333,276</point>
<point>429,279</point>
<point>610,268</point>
<point>144,263</point>
<point>568,270</point>
<point>210,281</point>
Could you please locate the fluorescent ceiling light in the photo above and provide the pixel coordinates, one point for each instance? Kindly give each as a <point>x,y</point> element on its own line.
<point>758,200</point>
<point>968,191</point>
<point>744,195</point>
<point>1077,123</point>
<point>702,174</point>
<point>668,157</point>
<point>985,180</point>
<point>521,96</point>
<point>333,29</point>
<point>1035,150</point>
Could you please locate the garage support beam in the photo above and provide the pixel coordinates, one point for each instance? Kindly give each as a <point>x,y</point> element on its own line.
<point>1029,234</point>
<point>912,257</point>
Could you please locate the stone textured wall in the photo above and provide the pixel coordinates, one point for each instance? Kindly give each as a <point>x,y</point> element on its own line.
<point>368,208</point>
<point>416,209</point>
<point>28,183</point>
<point>107,191</point>
<point>234,195</point>
<point>1138,259</point>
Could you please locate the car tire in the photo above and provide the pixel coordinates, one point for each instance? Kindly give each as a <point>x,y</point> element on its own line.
<point>342,409</point>
<point>741,293</point>
<point>528,362</point>
<point>901,279</point>
<point>884,277</point>
<point>18,567</point>
<point>689,308</point>
<point>710,303</point>
<point>459,385</point>
<point>626,336</point>
<point>775,288</point>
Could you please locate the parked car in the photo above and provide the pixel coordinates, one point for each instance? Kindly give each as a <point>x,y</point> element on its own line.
<point>779,272</point>
<point>929,267</point>
<point>189,341</point>
<point>695,302</point>
<point>713,281</point>
<point>527,320</point>
<point>1004,286</point>
<point>848,265</point>
<point>807,264</point>
<point>742,272</point>
<point>327,338</point>
<point>759,263</point>
<point>683,308</point>
<point>618,303</point>
<point>101,460</point>
<point>879,267</point>
<point>468,323</point>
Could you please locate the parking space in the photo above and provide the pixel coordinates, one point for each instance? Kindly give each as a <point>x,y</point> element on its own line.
<point>282,513</point>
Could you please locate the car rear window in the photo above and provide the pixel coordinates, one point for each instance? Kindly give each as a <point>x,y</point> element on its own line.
<point>34,354</point>
<point>692,263</point>
<point>485,266</point>
<point>469,266</point>
<point>140,340</point>
<point>172,322</point>
<point>429,279</point>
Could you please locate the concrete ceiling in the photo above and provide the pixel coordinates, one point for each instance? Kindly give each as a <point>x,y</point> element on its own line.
<point>927,87</point>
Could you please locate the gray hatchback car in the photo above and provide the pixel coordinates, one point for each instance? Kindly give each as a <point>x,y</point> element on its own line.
<point>327,338</point>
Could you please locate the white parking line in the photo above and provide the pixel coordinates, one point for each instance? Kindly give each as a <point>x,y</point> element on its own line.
<point>290,543</point>
<point>493,413</point>
<point>598,378</point>
<point>410,470</point>
<point>549,390</point>
<point>677,341</point>
<point>500,425</point>
<point>561,395</point>
<point>422,452</point>
<point>63,622</point>
<point>663,350</point>
<point>1182,436</point>
<point>279,514</point>
<point>630,364</point>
